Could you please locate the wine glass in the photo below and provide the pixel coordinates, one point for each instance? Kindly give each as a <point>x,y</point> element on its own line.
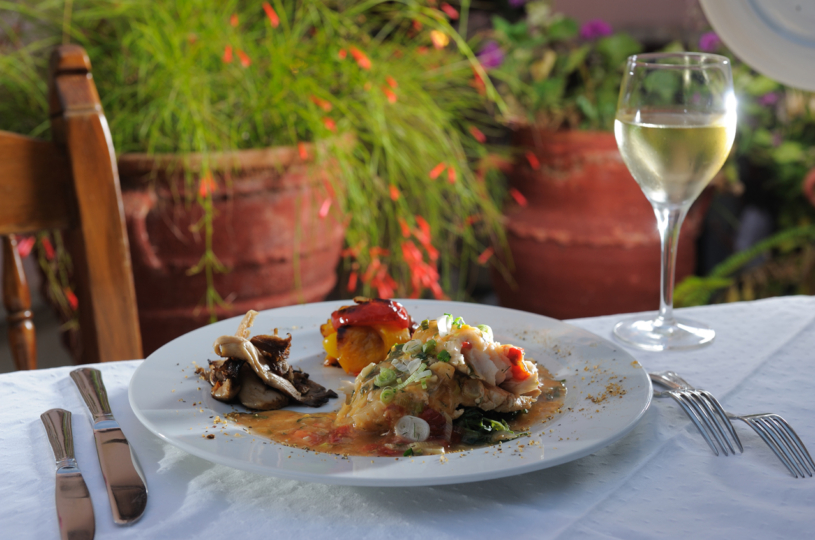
<point>675,124</point>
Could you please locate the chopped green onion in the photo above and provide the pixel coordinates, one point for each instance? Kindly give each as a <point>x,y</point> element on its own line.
<point>387,395</point>
<point>408,452</point>
<point>419,373</point>
<point>459,321</point>
<point>425,324</point>
<point>429,347</point>
<point>398,347</point>
<point>424,384</point>
<point>443,356</point>
<point>385,377</point>
<point>486,331</point>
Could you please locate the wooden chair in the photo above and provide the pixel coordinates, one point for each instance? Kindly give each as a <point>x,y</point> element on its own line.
<point>71,184</point>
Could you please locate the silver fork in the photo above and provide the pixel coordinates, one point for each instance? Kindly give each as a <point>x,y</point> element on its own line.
<point>782,440</point>
<point>703,409</point>
<point>773,430</point>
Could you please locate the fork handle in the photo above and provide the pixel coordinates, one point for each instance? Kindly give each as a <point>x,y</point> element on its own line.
<point>671,380</point>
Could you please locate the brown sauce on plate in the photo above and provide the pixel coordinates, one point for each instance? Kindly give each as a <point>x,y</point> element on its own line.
<point>317,432</point>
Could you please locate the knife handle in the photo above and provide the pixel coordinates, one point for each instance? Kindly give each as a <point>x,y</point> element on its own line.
<point>92,389</point>
<point>58,427</point>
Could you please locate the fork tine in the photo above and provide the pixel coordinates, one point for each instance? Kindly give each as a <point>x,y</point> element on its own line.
<point>722,415</point>
<point>793,442</point>
<point>693,416</point>
<point>712,414</point>
<point>759,428</point>
<point>707,416</point>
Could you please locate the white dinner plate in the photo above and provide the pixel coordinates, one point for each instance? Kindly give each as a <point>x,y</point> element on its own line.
<point>774,37</point>
<point>172,402</point>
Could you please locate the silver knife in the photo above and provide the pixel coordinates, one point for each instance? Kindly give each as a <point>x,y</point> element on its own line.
<point>74,507</point>
<point>123,478</point>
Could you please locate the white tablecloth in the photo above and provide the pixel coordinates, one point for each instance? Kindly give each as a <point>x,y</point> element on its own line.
<point>660,481</point>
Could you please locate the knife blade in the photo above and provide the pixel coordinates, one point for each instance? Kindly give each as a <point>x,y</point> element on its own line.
<point>124,480</point>
<point>74,507</point>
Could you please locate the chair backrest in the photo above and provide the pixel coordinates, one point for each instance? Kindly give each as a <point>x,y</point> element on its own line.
<point>70,183</point>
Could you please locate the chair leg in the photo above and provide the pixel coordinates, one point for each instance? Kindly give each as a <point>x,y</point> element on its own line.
<point>17,300</point>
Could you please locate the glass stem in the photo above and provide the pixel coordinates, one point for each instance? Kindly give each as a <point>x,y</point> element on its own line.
<point>669,221</point>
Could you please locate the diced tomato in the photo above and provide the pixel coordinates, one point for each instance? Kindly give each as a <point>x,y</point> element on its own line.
<point>377,311</point>
<point>340,434</point>
<point>466,346</point>
<point>519,373</point>
<point>436,421</point>
<point>516,356</point>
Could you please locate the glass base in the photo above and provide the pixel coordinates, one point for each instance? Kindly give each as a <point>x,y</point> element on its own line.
<point>658,334</point>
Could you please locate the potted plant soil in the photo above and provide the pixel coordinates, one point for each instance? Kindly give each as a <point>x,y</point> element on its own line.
<point>582,235</point>
<point>262,143</point>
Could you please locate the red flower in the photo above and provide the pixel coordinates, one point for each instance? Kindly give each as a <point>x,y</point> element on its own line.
<point>228,54</point>
<point>437,170</point>
<point>206,185</point>
<point>360,57</point>
<point>352,282</point>
<point>478,83</point>
<point>533,160</point>
<point>245,61</point>
<point>322,103</point>
<point>25,245</point>
<point>389,94</point>
<point>405,229</point>
<point>477,135</point>
<point>233,20</point>
<point>394,192</point>
<point>486,255</point>
<point>45,242</point>
<point>424,226</point>
<point>451,175</point>
<point>301,149</point>
<point>71,298</point>
<point>518,196</point>
<point>391,82</point>
<point>324,208</point>
<point>329,124</point>
<point>271,14</point>
<point>475,218</point>
<point>342,54</point>
<point>417,25</point>
<point>329,189</point>
<point>421,50</point>
<point>449,10</point>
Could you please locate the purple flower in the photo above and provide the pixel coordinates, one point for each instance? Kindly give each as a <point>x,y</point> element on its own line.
<point>517,3</point>
<point>491,55</point>
<point>709,42</point>
<point>770,98</point>
<point>594,29</point>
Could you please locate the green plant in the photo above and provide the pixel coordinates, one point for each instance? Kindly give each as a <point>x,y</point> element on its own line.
<point>555,73</point>
<point>199,76</point>
<point>776,142</point>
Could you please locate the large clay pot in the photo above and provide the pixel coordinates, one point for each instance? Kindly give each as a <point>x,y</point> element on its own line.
<point>586,243</point>
<point>267,232</point>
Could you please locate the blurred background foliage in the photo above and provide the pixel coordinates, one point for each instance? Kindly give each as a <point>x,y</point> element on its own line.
<point>418,188</point>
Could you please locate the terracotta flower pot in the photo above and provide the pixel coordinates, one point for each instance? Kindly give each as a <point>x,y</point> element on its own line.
<point>268,231</point>
<point>586,243</point>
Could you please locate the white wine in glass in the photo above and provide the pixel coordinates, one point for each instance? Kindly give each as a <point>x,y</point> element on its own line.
<point>675,124</point>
